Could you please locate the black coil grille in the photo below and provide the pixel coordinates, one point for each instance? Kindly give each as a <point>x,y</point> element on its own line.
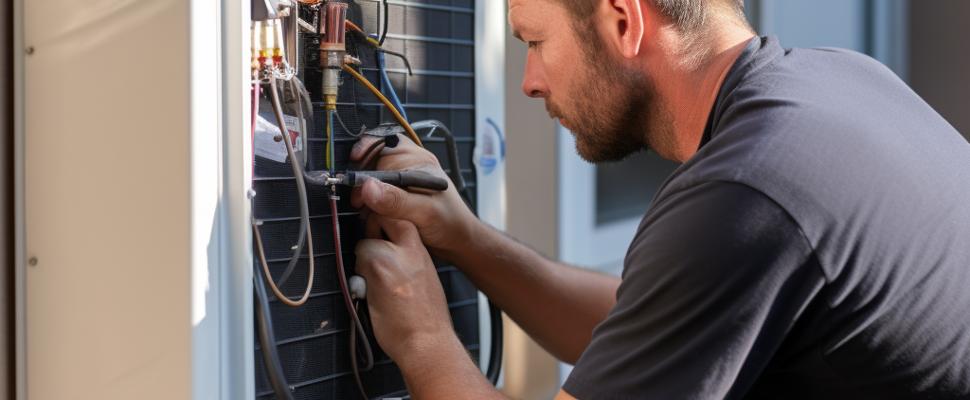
<point>438,38</point>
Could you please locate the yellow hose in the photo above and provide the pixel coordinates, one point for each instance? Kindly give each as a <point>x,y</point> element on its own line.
<point>387,103</point>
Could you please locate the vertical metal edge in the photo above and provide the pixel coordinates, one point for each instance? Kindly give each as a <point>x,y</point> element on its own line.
<point>753,10</point>
<point>208,261</point>
<point>489,105</point>
<point>236,325</point>
<point>889,34</point>
<point>19,223</point>
<point>766,9</point>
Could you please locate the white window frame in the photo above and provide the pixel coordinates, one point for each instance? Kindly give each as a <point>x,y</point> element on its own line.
<point>582,241</point>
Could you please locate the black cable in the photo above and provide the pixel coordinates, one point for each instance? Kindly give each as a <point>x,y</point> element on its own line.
<point>454,167</point>
<point>407,63</point>
<point>495,352</point>
<point>267,340</point>
<point>494,369</point>
<point>384,29</point>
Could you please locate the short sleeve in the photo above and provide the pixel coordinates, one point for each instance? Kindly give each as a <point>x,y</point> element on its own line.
<point>715,278</point>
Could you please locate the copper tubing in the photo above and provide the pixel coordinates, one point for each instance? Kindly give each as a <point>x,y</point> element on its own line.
<point>387,103</point>
<point>357,327</point>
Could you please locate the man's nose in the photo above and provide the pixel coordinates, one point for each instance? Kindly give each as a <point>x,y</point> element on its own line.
<point>534,80</point>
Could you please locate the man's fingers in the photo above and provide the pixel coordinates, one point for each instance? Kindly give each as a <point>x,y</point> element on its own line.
<point>372,255</point>
<point>391,201</point>
<point>360,148</point>
<point>399,231</point>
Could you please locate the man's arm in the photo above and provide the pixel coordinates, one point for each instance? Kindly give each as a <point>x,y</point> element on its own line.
<point>556,304</point>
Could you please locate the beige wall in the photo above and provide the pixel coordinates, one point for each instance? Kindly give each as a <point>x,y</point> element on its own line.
<point>107,200</point>
<point>939,67</point>
<point>530,372</point>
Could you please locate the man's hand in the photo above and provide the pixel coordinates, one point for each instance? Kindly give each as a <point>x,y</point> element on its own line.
<point>406,301</point>
<point>410,315</point>
<point>442,218</point>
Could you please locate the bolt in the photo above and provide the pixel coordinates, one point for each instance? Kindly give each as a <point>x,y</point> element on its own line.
<point>32,261</point>
<point>30,50</point>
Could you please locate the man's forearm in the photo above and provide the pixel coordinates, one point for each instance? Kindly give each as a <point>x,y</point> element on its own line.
<point>558,305</point>
<point>440,368</point>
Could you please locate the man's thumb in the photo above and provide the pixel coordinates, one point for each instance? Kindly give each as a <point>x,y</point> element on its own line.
<point>387,200</point>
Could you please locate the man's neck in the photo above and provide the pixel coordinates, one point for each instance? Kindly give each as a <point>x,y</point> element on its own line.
<point>695,80</point>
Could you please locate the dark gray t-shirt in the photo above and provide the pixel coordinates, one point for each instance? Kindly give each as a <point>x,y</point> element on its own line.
<point>817,246</point>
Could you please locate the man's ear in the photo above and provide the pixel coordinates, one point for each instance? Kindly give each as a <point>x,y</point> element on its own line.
<point>624,26</point>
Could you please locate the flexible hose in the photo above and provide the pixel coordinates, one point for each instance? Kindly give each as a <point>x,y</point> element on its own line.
<point>267,341</point>
<point>304,211</point>
<point>304,224</point>
<point>303,109</point>
<point>387,103</point>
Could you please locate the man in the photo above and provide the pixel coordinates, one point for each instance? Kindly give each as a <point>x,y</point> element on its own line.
<point>815,243</point>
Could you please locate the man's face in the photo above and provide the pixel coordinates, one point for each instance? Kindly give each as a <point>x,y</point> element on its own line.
<point>608,105</point>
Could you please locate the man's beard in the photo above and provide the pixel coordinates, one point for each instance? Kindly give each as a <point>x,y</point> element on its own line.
<point>612,112</point>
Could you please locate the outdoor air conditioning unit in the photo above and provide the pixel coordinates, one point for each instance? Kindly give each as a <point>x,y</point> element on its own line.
<point>139,183</point>
<point>437,79</point>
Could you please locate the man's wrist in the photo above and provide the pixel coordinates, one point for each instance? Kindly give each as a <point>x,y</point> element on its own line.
<point>466,239</point>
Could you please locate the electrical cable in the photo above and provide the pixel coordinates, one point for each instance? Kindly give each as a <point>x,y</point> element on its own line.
<point>454,167</point>
<point>407,63</point>
<point>344,126</point>
<point>387,103</point>
<point>494,369</point>
<point>386,24</point>
<point>304,210</point>
<point>348,301</point>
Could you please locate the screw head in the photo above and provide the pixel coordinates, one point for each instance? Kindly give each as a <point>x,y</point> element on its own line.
<point>30,50</point>
<point>32,261</point>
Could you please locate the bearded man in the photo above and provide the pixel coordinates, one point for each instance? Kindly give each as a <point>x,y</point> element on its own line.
<point>813,243</point>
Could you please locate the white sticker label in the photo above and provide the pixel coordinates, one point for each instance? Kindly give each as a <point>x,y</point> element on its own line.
<point>265,144</point>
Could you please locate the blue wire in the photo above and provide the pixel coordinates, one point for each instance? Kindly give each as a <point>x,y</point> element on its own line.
<point>387,88</point>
